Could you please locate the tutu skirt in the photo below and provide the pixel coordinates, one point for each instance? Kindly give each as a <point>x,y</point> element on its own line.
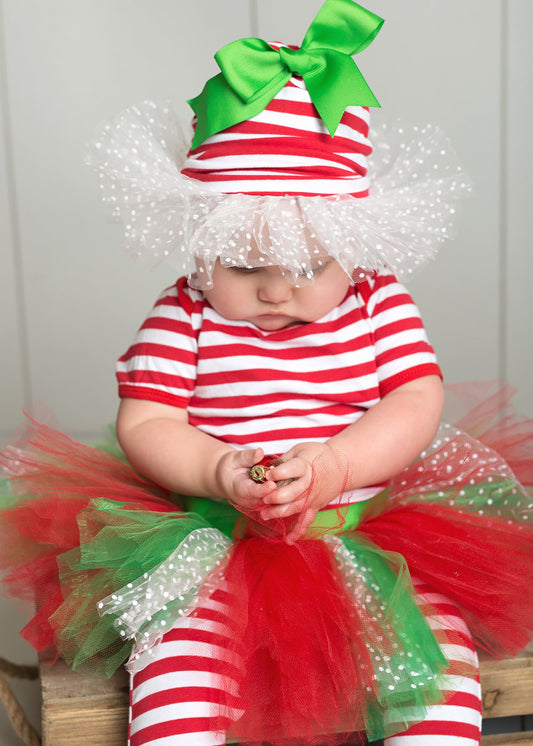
<point>327,633</point>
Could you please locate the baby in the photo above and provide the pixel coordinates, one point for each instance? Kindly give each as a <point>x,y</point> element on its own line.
<point>279,607</point>
<point>348,349</point>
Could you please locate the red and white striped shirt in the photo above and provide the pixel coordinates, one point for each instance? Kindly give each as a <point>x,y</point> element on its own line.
<point>252,388</point>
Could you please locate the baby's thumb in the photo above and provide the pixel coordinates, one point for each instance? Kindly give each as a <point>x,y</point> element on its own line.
<point>250,457</point>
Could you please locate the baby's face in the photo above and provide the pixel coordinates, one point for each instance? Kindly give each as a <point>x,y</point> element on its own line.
<point>263,296</point>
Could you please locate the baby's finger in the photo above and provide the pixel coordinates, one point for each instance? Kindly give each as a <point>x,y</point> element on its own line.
<point>248,493</point>
<point>288,493</point>
<point>248,457</point>
<point>245,498</point>
<point>271,512</point>
<point>299,530</point>
<point>292,469</point>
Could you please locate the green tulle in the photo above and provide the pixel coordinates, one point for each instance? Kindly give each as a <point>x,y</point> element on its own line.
<point>221,515</point>
<point>409,672</point>
<point>119,543</point>
<point>122,546</point>
<point>7,499</point>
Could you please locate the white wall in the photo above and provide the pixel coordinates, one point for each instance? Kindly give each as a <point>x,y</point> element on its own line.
<point>70,300</point>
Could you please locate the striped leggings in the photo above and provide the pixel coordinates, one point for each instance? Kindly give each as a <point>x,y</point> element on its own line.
<point>174,696</point>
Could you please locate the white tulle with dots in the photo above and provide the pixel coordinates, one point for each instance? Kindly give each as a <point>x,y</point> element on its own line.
<point>416,183</point>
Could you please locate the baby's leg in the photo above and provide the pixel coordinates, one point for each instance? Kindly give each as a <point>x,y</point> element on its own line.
<point>176,690</point>
<point>457,721</point>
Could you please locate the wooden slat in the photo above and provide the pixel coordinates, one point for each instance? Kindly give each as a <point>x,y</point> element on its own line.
<point>92,726</point>
<point>509,739</point>
<point>508,686</point>
<point>96,709</point>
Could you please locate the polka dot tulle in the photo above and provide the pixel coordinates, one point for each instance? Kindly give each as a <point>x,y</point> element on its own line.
<point>148,607</point>
<point>416,183</point>
<point>404,663</point>
<point>457,519</point>
<point>459,471</point>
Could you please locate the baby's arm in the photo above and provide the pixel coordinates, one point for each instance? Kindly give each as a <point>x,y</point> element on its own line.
<point>375,448</point>
<point>161,444</point>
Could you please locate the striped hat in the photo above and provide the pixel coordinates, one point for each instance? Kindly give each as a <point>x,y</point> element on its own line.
<point>277,164</point>
<point>286,150</point>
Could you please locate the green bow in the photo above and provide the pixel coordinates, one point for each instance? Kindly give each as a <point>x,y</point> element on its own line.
<point>253,72</point>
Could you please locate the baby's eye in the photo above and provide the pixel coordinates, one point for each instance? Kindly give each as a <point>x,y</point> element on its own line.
<point>244,270</point>
<point>314,271</point>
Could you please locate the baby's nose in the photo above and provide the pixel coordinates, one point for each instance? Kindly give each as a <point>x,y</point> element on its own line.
<point>274,287</point>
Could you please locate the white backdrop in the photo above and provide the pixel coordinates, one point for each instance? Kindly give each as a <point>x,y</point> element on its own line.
<point>70,300</point>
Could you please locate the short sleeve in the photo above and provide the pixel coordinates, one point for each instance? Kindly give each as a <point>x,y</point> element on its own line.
<point>160,365</point>
<point>403,351</point>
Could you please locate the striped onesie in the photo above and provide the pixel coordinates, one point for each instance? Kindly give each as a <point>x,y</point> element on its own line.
<point>253,388</point>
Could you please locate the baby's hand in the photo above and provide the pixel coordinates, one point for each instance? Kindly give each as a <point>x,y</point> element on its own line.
<point>235,483</point>
<point>317,473</point>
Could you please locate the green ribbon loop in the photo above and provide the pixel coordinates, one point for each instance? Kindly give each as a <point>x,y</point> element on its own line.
<point>252,72</point>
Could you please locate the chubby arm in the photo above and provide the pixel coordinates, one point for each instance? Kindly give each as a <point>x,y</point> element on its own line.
<point>161,444</point>
<point>373,449</point>
<point>393,433</point>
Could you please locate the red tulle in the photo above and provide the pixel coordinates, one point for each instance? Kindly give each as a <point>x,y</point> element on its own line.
<point>484,565</point>
<point>55,477</point>
<point>47,463</point>
<point>484,410</point>
<point>290,697</point>
<point>481,561</point>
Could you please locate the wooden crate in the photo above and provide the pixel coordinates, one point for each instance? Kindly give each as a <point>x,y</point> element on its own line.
<point>507,687</point>
<point>96,710</point>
